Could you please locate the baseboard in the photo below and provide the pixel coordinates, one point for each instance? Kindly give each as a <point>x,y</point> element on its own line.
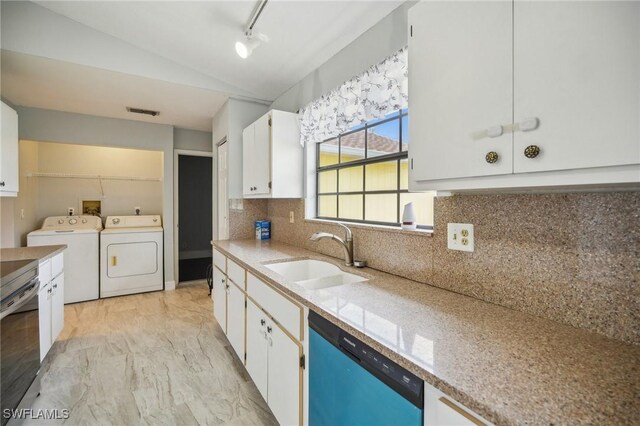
<point>169,285</point>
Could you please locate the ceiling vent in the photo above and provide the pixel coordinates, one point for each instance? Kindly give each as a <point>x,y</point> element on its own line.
<point>143,111</point>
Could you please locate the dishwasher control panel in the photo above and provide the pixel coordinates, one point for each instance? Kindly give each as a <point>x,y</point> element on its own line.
<point>378,363</point>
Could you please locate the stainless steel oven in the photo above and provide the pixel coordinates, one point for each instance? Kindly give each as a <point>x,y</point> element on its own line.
<point>19,327</point>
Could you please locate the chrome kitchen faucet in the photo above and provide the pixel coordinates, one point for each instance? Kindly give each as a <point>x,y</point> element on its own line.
<point>347,245</point>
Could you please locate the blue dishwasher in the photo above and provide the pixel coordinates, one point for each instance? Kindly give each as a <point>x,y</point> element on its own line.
<point>352,384</point>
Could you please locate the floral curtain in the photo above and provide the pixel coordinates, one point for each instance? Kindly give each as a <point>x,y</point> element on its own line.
<point>379,91</point>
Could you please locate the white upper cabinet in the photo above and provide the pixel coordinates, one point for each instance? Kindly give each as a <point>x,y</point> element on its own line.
<point>256,150</point>
<point>577,68</point>
<point>460,85</point>
<point>8,152</point>
<point>507,95</point>
<point>272,157</point>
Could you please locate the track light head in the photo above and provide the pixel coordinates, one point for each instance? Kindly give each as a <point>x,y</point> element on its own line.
<point>251,40</point>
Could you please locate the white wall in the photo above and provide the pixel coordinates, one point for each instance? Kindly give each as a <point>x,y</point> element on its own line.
<point>194,140</point>
<point>57,126</point>
<point>26,207</point>
<point>7,237</point>
<point>120,197</point>
<point>229,123</point>
<point>383,39</point>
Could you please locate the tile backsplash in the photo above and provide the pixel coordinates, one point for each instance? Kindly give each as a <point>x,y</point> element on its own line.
<point>242,220</point>
<point>572,258</point>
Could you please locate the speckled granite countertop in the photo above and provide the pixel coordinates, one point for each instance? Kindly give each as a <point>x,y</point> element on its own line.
<point>510,367</point>
<point>35,252</point>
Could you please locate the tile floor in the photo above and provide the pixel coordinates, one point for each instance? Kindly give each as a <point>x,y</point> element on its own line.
<point>154,358</point>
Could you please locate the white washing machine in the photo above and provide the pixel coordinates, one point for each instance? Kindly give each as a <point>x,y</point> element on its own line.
<point>81,234</point>
<point>131,255</point>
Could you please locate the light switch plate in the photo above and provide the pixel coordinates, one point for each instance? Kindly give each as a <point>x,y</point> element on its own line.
<point>460,237</point>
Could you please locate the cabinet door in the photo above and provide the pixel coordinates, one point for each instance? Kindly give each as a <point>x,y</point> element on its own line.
<point>285,376</point>
<point>235,319</point>
<point>262,156</point>
<point>8,150</point>
<point>439,410</point>
<point>57,306</point>
<point>257,347</point>
<point>577,68</point>
<point>460,85</point>
<point>44,314</point>
<point>219,295</point>
<point>248,160</point>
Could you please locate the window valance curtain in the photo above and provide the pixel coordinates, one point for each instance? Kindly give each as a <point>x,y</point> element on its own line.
<point>379,91</point>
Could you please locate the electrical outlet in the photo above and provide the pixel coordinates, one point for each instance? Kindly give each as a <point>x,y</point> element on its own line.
<point>460,237</point>
<point>291,218</point>
<point>71,211</point>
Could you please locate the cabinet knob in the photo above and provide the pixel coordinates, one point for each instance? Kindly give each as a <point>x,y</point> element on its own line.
<point>491,157</point>
<point>2,183</point>
<point>532,151</point>
<point>269,329</point>
<point>262,322</point>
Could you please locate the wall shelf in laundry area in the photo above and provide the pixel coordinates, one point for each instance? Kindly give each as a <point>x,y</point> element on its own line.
<point>101,177</point>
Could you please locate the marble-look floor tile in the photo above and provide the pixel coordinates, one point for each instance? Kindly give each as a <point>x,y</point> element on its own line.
<point>153,358</point>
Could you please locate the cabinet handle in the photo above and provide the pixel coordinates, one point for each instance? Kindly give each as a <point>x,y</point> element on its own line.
<point>270,341</point>
<point>2,183</point>
<point>262,322</point>
<point>532,151</point>
<point>460,411</point>
<point>55,286</point>
<point>491,157</point>
<point>49,291</point>
<point>114,261</point>
<point>269,329</point>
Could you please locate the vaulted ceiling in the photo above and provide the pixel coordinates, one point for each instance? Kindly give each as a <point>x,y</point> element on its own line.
<point>184,43</point>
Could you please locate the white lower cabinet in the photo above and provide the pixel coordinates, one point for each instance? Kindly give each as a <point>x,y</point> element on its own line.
<point>284,376</point>
<point>235,318</point>
<point>273,362</point>
<point>264,328</point>
<point>219,296</point>
<point>440,410</point>
<point>257,364</point>
<point>50,302</point>
<point>44,309</point>
<point>57,306</point>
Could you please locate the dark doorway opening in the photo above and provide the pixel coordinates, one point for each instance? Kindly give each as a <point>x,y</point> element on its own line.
<point>194,216</point>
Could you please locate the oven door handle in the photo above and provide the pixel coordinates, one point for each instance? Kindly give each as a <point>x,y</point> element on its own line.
<point>21,299</point>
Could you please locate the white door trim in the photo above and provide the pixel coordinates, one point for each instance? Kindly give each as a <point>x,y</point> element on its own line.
<point>176,205</point>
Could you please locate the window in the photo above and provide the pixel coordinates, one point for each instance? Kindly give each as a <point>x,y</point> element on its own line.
<point>362,175</point>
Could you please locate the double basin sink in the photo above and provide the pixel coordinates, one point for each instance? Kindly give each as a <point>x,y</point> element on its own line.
<point>314,274</point>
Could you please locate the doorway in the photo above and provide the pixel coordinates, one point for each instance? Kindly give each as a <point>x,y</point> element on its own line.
<point>194,209</point>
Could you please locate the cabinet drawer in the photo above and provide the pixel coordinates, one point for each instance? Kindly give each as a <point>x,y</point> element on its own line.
<point>235,273</point>
<point>44,272</point>
<point>220,260</point>
<point>287,313</point>
<point>57,265</point>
